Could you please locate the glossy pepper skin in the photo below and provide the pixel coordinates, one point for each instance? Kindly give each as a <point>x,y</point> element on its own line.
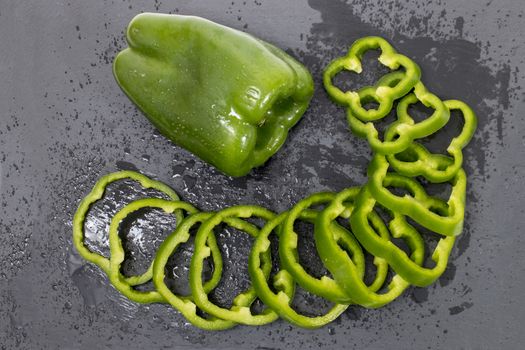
<point>222,94</point>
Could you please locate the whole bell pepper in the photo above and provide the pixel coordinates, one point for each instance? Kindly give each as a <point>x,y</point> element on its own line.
<point>222,94</point>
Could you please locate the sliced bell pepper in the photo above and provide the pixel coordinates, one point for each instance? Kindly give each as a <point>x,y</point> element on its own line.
<point>325,286</point>
<point>222,94</point>
<point>416,204</point>
<point>279,300</point>
<point>408,267</point>
<point>341,265</point>
<point>117,253</point>
<point>416,160</point>
<point>96,194</point>
<point>384,95</point>
<point>400,134</point>
<point>240,311</point>
<point>185,304</point>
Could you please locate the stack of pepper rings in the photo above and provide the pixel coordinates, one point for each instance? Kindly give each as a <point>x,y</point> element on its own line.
<point>398,162</point>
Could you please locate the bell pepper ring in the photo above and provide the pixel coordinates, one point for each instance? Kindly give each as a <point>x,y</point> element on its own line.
<point>344,269</point>
<point>416,160</point>
<point>408,267</point>
<point>416,204</point>
<point>384,95</point>
<point>224,95</point>
<point>240,311</point>
<point>185,304</point>
<point>325,286</point>
<point>368,94</point>
<point>405,129</point>
<point>279,300</point>
<point>120,282</point>
<point>95,195</point>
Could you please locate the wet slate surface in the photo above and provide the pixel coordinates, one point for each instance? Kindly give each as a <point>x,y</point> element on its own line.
<point>64,123</point>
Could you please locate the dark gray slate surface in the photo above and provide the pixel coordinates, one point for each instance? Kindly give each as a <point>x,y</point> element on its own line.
<point>64,123</point>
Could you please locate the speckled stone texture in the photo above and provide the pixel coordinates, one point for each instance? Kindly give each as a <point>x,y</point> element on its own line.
<point>64,122</point>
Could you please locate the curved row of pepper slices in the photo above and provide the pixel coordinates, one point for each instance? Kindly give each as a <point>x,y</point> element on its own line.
<point>398,161</point>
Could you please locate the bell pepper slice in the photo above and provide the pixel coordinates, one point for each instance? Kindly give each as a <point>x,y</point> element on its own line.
<point>185,304</point>
<point>368,94</point>
<point>240,311</point>
<point>325,286</point>
<point>416,204</point>
<point>344,269</point>
<point>384,95</point>
<point>279,300</point>
<point>416,160</point>
<point>117,253</point>
<point>220,93</point>
<point>95,195</point>
<point>401,134</point>
<point>408,267</point>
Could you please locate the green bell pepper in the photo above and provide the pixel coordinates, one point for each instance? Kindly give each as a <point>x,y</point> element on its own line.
<point>409,267</point>
<point>117,253</point>
<point>95,195</point>
<point>400,134</point>
<point>278,299</point>
<point>240,311</point>
<point>416,204</point>
<point>325,286</point>
<point>222,94</point>
<point>185,304</point>
<point>384,95</point>
<point>416,160</point>
<point>344,269</point>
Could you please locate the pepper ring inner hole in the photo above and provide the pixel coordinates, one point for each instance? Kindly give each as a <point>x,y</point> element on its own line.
<point>303,302</point>
<point>177,267</point>
<point>116,196</point>
<point>235,246</point>
<point>439,141</point>
<point>142,232</point>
